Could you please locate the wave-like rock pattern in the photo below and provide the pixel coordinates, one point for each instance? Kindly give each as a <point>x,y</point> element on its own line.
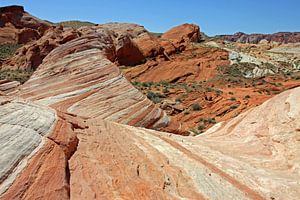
<point>7,86</point>
<point>80,78</point>
<point>254,156</point>
<point>71,138</point>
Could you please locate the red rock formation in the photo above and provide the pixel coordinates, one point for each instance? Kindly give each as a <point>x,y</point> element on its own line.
<point>192,65</point>
<point>71,139</point>
<point>147,44</point>
<point>80,78</point>
<point>7,86</point>
<point>181,35</point>
<point>17,26</point>
<point>281,37</point>
<point>114,161</point>
<point>31,55</point>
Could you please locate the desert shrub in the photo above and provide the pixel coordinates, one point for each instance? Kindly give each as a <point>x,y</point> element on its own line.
<point>158,35</point>
<point>164,83</point>
<point>165,90</point>
<point>147,84</point>
<point>155,97</point>
<point>186,87</point>
<point>196,107</point>
<point>232,99</point>
<point>247,97</point>
<point>7,50</point>
<point>211,120</point>
<point>75,24</point>
<point>208,120</point>
<point>15,75</point>
<point>136,83</point>
<point>234,107</point>
<point>178,100</point>
<point>194,131</point>
<point>201,127</point>
<point>218,92</point>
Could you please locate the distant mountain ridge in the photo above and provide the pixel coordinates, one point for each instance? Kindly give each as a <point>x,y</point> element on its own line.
<point>280,37</point>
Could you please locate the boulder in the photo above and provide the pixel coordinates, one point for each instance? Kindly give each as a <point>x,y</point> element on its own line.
<point>183,34</point>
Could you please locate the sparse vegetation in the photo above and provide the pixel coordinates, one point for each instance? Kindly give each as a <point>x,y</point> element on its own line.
<point>205,123</point>
<point>165,90</point>
<point>235,106</point>
<point>75,24</point>
<point>201,127</point>
<point>157,34</point>
<point>208,120</point>
<point>196,107</point>
<point>232,99</point>
<point>218,92</point>
<point>7,50</point>
<point>199,95</point>
<point>194,131</point>
<point>155,97</point>
<point>178,100</point>
<point>15,75</point>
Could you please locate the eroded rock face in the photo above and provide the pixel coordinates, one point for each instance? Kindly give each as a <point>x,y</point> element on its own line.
<point>281,37</point>
<point>254,156</point>
<point>181,35</point>
<point>192,65</point>
<point>29,159</point>
<point>71,138</point>
<point>147,44</point>
<point>7,86</point>
<point>17,26</point>
<point>80,78</point>
<point>31,55</point>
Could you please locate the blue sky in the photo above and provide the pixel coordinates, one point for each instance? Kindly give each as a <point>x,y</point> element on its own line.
<point>213,16</point>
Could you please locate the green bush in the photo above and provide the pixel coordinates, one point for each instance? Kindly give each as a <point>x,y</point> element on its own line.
<point>211,120</point>
<point>194,131</point>
<point>165,90</point>
<point>7,50</point>
<point>164,83</point>
<point>15,75</point>
<point>232,99</point>
<point>208,120</point>
<point>147,84</point>
<point>155,97</point>
<point>234,107</point>
<point>196,107</point>
<point>178,100</point>
<point>75,24</point>
<point>201,127</point>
